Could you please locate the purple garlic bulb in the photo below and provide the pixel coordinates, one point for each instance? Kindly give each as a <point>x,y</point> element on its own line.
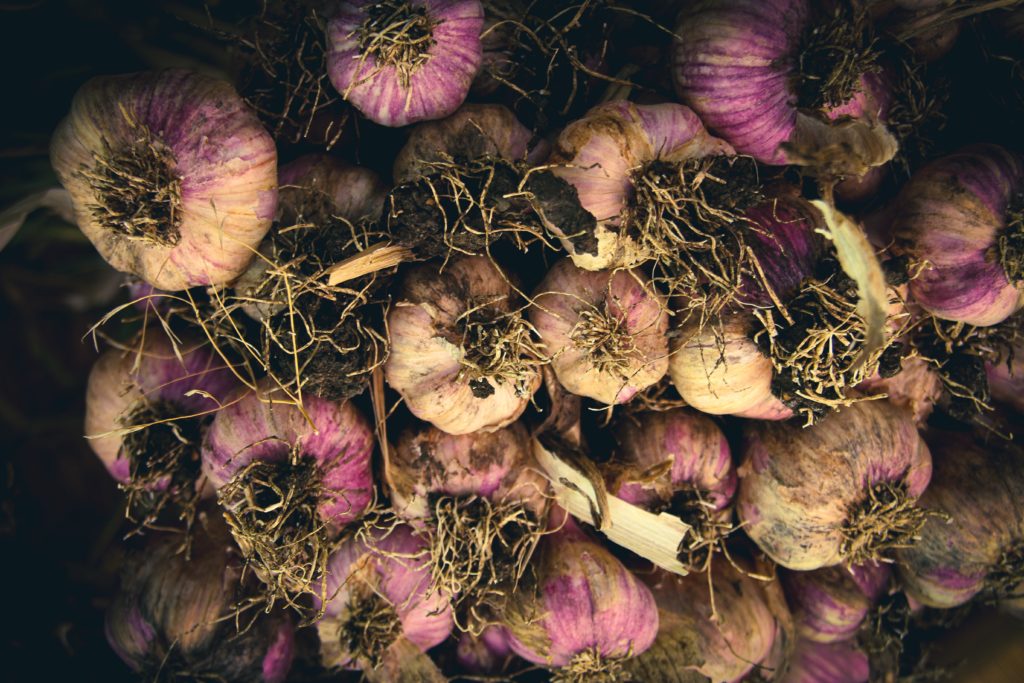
<point>403,61</point>
<point>288,478</point>
<point>172,176</point>
<point>174,615</point>
<point>379,592</point>
<point>830,604</point>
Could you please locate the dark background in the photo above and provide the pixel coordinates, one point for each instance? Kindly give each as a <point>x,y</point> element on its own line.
<point>60,514</point>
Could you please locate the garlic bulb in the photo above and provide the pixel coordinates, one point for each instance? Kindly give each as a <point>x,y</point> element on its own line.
<point>379,592</point>
<point>173,615</point>
<point>462,356</point>
<point>765,75</point>
<point>287,479</point>
<point>473,132</point>
<point>963,217</point>
<point>634,168</point>
<point>830,604</point>
<point>679,462</point>
<point>481,501</point>
<point>173,178</point>
<point>604,331</point>
<point>842,491</point>
<point>975,545</point>
<point>546,625</point>
<point>723,641</point>
<point>403,61</point>
<point>146,410</point>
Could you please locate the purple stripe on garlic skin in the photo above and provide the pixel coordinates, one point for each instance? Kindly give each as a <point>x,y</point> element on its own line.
<point>432,85</point>
<point>697,449</point>
<point>830,604</point>
<point>724,643</point>
<point>431,361</point>
<point>598,155</point>
<point>739,64</point>
<point>604,331</point>
<point>979,486</point>
<point>951,214</point>
<point>474,131</point>
<point>842,662</point>
<point>797,497</point>
<point>209,140</point>
<point>585,604</point>
<point>483,654</point>
<point>390,568</point>
<point>263,425</point>
<point>196,382</point>
<point>496,465</point>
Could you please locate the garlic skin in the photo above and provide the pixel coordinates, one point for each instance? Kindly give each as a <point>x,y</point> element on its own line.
<point>388,570</point>
<point>434,324</point>
<point>727,648</point>
<point>797,496</point>
<point>694,445</point>
<point>598,154</point>
<point>395,84</point>
<point>152,376</point>
<point>604,331</point>
<point>979,486</point>
<point>315,188</point>
<point>830,604</point>
<point>718,369</point>
<point>954,214</point>
<point>472,132</point>
<point>262,425</point>
<point>545,622</point>
<point>1006,380</point>
<point>841,662</point>
<point>208,171</point>
<point>496,465</point>
<point>746,84</point>
<point>172,615</point>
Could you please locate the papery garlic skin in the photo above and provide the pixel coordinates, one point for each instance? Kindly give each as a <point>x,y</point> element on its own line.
<point>622,298</point>
<point>172,616</point>
<point>723,648</point>
<point>485,653</point>
<point>736,62</point>
<point>697,449</point>
<point>263,425</point>
<point>830,604</point>
<point>598,155</point>
<point>1006,380</point>
<point>979,486</point>
<point>187,377</point>
<point>391,566</point>
<point>209,141</point>
<point>472,132</point>
<point>718,369</point>
<point>585,601</point>
<point>917,386</point>
<point>841,662</point>
<point>430,86</point>
<point>428,359</point>
<point>796,490</point>
<point>496,465</point>
<point>951,216</point>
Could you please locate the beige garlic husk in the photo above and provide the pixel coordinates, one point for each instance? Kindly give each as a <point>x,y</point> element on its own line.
<point>318,194</point>
<point>462,355</point>
<point>473,132</point>
<point>604,331</point>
